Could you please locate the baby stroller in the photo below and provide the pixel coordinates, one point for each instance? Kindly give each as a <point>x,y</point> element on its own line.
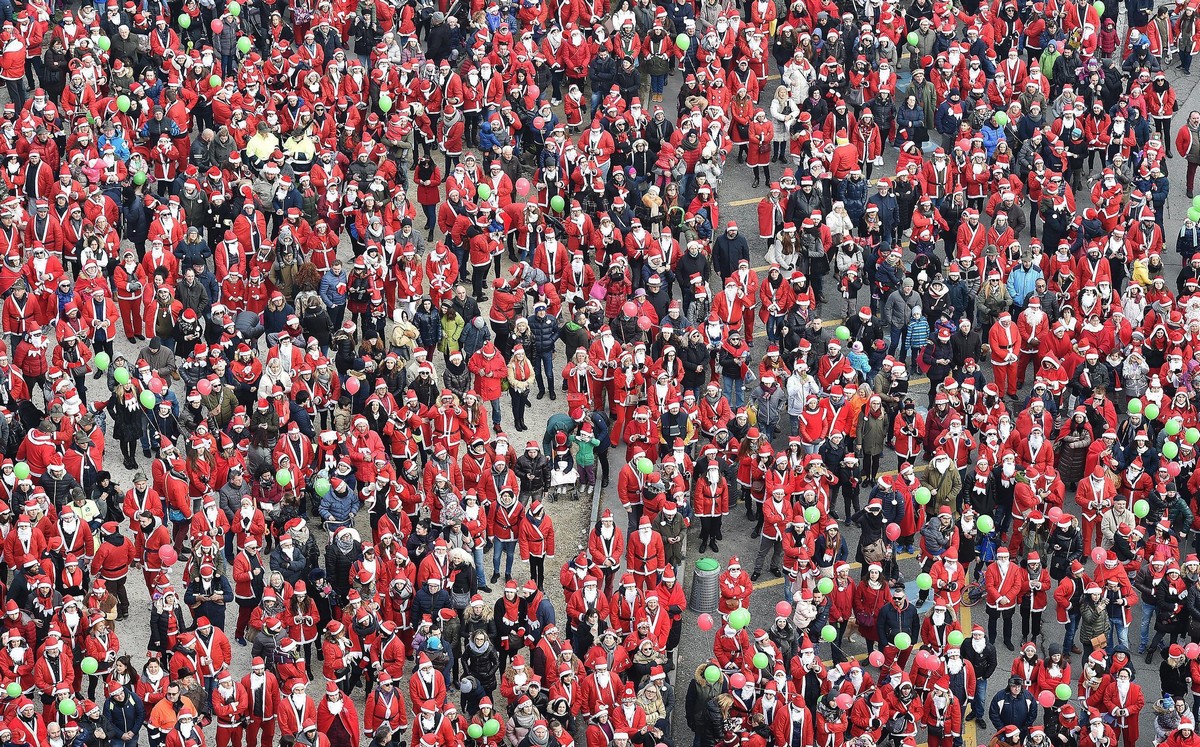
<point>564,482</point>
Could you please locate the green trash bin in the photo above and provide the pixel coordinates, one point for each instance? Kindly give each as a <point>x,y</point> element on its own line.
<point>706,590</point>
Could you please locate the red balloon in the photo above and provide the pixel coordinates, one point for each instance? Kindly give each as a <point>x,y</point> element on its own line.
<point>876,659</point>
<point>629,308</point>
<point>1046,698</point>
<point>893,532</point>
<point>204,386</point>
<point>704,622</point>
<point>844,701</point>
<point>352,385</point>
<point>644,323</point>
<point>1099,555</point>
<point>1192,650</point>
<point>783,609</point>
<point>538,123</point>
<point>167,556</point>
<point>1173,469</point>
<point>522,186</point>
<point>737,681</point>
<point>216,26</point>
<point>156,385</point>
<point>1054,515</point>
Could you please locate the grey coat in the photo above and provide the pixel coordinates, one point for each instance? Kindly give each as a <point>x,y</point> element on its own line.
<point>897,310</point>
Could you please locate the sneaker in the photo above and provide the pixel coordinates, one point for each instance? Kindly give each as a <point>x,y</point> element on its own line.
<point>241,641</point>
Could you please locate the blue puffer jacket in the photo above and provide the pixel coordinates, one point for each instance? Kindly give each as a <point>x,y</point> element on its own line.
<point>545,333</point>
<point>329,289</point>
<point>335,507</point>
<point>429,326</point>
<point>854,194</point>
<point>992,136</point>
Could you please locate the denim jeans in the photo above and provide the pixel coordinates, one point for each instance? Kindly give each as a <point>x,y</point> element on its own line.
<point>734,390</point>
<point>1118,635</point>
<point>480,576</point>
<point>507,548</point>
<point>897,343</point>
<point>1147,618</point>
<point>773,325</point>
<point>496,411</point>
<point>544,362</point>
<point>1069,636</point>
<point>658,83</point>
<point>979,702</point>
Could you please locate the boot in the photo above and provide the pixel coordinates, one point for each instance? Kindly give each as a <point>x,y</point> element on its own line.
<point>755,185</point>
<point>767,174</point>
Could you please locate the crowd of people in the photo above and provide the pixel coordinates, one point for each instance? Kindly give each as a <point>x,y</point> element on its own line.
<point>310,265</point>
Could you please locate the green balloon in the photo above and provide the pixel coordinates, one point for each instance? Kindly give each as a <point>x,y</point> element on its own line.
<point>123,103</point>
<point>557,203</point>
<point>1001,119</point>
<point>955,638</point>
<point>1141,508</point>
<point>985,524</point>
<point>484,191</point>
<point>842,333</point>
<point>474,731</point>
<point>67,707</point>
<point>491,727</point>
<point>1173,427</point>
<point>104,43</point>
<point>184,20</point>
<point>13,690</point>
<point>644,465</point>
<point>214,81</point>
<point>1192,435</point>
<point>761,660</point>
<point>385,103</point>
<point>914,38</point>
<point>243,45</point>
<point>711,674</point>
<point>283,477</point>
<point>1170,450</point>
<point>1134,406</point>
<point>739,618</point>
<point>812,515</point>
<point>1063,691</point>
<point>683,41</point>
<point>121,375</point>
<point>825,586</point>
<point>1099,6</point>
<point>147,399</point>
<point>829,634</point>
<point>21,470</point>
<point>924,582</point>
<point>234,8</point>
<point>902,641</point>
<point>89,665</point>
<point>1196,202</point>
<point>1151,411</point>
<point>1193,215</point>
<point>322,486</point>
<point>102,360</point>
<point>139,178</point>
<point>922,495</point>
